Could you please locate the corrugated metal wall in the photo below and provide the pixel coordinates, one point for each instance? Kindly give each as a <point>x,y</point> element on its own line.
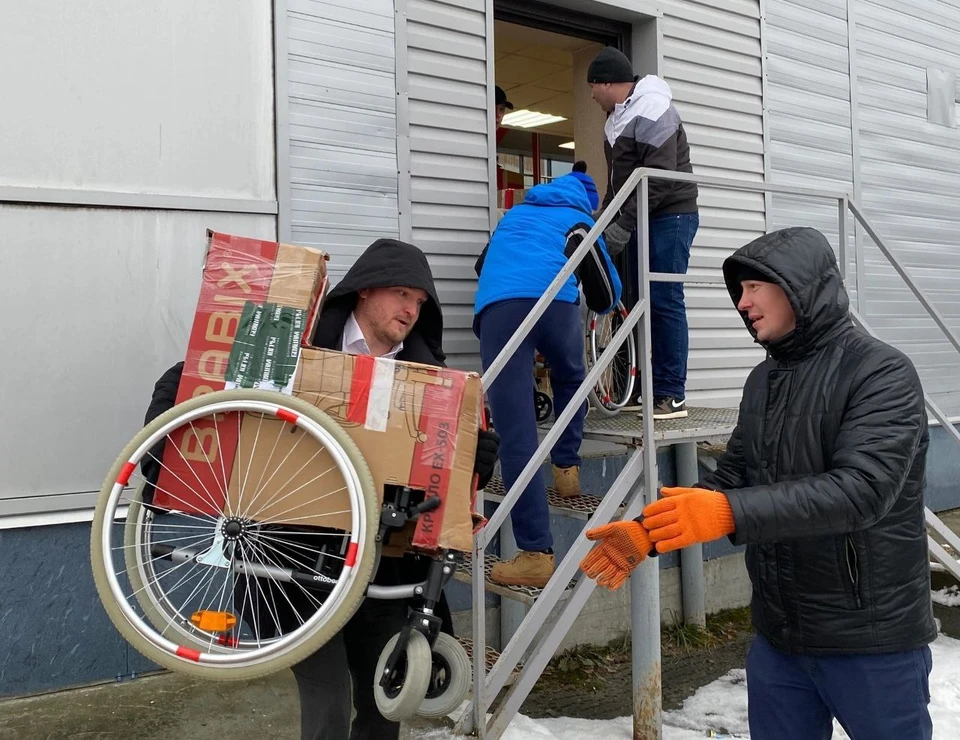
<point>910,179</point>
<point>712,61</point>
<point>443,95</point>
<point>809,108</point>
<point>342,125</point>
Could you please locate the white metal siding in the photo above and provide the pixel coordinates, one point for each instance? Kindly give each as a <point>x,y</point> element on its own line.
<point>711,59</point>
<point>910,172</point>
<point>152,107</point>
<point>449,154</point>
<point>342,126</point>
<point>809,108</point>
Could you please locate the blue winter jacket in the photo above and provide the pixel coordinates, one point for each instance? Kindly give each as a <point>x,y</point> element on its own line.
<point>526,250</point>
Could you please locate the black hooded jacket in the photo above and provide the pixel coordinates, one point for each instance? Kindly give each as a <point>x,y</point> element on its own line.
<point>825,469</point>
<point>385,264</point>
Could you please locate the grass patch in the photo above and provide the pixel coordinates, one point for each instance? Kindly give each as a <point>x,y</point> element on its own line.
<point>591,664</point>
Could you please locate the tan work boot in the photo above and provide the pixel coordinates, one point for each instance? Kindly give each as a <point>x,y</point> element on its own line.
<point>525,569</point>
<point>567,481</point>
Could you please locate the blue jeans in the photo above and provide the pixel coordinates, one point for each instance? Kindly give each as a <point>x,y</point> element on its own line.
<point>671,236</point>
<point>558,336</point>
<point>874,697</point>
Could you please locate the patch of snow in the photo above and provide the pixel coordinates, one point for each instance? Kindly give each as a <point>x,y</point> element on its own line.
<point>722,707</point>
<point>949,596</point>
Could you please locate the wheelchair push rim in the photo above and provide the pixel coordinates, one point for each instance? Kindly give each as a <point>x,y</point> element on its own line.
<point>221,544</point>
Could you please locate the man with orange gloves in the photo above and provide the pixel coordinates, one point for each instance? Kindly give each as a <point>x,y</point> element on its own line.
<point>823,481</point>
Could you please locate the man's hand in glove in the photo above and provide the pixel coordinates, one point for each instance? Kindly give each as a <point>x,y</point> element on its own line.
<point>488,448</point>
<point>685,516</point>
<point>621,547</point>
<point>616,238</point>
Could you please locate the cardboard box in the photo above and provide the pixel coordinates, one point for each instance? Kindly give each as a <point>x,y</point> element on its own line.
<point>256,288</point>
<point>415,425</point>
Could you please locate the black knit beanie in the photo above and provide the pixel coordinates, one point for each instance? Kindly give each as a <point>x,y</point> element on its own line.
<point>610,65</point>
<point>742,272</point>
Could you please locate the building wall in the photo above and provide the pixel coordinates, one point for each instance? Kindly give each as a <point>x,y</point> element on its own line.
<point>711,58</point>
<point>909,179</point>
<point>131,131</point>
<point>337,118</point>
<point>446,151</point>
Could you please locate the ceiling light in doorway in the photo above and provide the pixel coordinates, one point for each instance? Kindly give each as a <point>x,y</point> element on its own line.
<point>568,145</point>
<point>530,119</point>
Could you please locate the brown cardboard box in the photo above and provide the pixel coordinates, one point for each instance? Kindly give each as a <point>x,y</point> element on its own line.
<point>240,276</point>
<point>415,425</point>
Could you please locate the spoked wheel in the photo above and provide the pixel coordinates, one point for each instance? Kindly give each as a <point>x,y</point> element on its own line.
<point>615,387</point>
<point>256,546</point>
<point>449,678</point>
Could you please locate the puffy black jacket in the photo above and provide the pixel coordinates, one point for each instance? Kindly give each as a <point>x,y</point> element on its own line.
<point>825,470</point>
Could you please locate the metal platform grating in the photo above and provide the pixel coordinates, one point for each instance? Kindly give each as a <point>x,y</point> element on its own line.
<point>491,656</point>
<point>579,507</point>
<point>524,594</point>
<point>627,426</point>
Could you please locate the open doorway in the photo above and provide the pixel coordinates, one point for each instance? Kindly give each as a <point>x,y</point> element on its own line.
<point>549,122</point>
<point>541,53</point>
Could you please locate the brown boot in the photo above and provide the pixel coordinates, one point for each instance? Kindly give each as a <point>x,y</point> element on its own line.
<point>567,481</point>
<point>525,569</point>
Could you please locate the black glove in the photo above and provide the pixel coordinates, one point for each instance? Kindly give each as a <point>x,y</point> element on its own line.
<point>616,238</point>
<point>488,448</point>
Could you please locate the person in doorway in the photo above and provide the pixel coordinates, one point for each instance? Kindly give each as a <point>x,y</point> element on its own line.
<point>527,250</point>
<point>823,480</point>
<point>643,129</point>
<point>385,306</point>
<point>502,106</point>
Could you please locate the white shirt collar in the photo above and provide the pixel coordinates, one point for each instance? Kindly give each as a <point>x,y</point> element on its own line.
<point>354,343</point>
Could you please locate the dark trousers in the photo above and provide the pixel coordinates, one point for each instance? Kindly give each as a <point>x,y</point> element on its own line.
<point>874,697</point>
<point>559,337</point>
<point>671,237</point>
<point>344,668</point>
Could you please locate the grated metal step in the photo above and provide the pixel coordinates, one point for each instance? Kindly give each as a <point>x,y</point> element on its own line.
<point>580,507</point>
<point>701,424</point>
<point>491,656</point>
<point>524,594</point>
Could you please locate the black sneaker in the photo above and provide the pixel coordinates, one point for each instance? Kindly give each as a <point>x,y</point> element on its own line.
<point>665,407</point>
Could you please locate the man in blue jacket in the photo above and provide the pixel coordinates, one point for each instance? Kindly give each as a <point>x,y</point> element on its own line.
<point>525,253</point>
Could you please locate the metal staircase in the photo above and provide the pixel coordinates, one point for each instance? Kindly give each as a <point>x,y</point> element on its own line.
<point>551,611</point>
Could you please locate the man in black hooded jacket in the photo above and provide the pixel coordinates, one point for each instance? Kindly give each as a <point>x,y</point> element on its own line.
<point>385,306</point>
<point>823,481</point>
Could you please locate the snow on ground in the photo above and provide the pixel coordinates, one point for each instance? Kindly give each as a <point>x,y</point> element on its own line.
<point>949,596</point>
<point>722,706</point>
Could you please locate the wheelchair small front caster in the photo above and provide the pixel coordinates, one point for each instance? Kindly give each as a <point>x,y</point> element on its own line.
<point>408,681</point>
<point>450,678</point>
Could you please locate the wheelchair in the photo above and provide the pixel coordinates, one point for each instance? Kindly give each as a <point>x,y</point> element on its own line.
<point>237,584</point>
<point>614,389</point>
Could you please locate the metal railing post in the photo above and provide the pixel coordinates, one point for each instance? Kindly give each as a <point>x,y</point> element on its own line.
<point>645,581</point>
<point>692,590</point>
<point>842,250</point>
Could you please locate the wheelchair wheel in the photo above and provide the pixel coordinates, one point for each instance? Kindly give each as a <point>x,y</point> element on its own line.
<point>406,689</point>
<point>450,678</point>
<point>226,576</point>
<point>615,387</point>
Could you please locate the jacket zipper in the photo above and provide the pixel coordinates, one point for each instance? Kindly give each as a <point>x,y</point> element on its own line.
<point>853,569</point>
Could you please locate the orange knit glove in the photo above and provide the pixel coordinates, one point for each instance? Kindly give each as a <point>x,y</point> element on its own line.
<point>622,547</point>
<point>685,516</point>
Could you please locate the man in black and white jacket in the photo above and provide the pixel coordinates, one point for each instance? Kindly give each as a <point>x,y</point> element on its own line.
<point>644,129</point>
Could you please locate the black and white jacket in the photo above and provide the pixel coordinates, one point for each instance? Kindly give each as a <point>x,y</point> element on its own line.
<point>646,131</point>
